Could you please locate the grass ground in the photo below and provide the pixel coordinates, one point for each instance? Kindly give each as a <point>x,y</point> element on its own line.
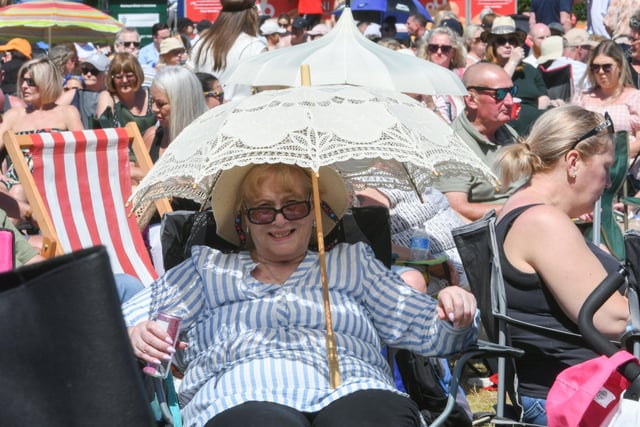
<point>480,399</point>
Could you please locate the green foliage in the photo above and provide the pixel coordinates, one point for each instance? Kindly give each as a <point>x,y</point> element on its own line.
<point>524,6</point>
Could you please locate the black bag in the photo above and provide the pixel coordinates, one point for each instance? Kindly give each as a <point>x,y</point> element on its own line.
<point>67,359</point>
<point>421,377</point>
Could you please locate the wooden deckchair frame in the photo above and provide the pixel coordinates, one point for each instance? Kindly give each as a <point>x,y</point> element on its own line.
<point>15,143</point>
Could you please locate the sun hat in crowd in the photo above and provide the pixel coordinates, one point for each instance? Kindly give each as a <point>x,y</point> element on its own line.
<point>550,49</point>
<point>21,45</point>
<point>271,27</point>
<point>503,26</point>
<point>225,199</point>
<point>169,44</point>
<point>98,60</point>
<point>373,31</point>
<point>319,30</point>
<point>579,37</point>
<point>556,29</point>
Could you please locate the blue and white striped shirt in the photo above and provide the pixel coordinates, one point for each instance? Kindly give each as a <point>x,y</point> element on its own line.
<point>250,341</point>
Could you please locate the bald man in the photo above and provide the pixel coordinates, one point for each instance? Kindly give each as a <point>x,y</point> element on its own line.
<point>483,126</point>
<point>537,34</point>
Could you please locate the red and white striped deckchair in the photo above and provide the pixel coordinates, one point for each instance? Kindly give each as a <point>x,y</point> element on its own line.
<point>78,190</point>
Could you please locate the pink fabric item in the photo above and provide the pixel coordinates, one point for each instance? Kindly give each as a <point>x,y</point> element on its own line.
<point>7,250</point>
<point>586,394</point>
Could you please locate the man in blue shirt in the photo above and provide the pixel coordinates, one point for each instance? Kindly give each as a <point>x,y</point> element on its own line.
<point>150,54</point>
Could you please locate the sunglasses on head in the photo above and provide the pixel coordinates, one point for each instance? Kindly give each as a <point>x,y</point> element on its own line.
<point>607,124</point>
<point>499,94</point>
<point>89,70</point>
<point>217,95</point>
<point>290,211</point>
<point>29,81</point>
<point>595,68</point>
<point>130,44</point>
<point>513,41</point>
<point>434,48</point>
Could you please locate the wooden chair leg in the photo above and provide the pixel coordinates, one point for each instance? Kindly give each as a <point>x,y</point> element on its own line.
<point>48,247</point>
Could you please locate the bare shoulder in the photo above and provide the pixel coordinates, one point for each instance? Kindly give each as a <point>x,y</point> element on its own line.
<point>544,221</point>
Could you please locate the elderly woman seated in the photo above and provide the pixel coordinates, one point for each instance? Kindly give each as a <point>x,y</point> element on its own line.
<point>253,321</point>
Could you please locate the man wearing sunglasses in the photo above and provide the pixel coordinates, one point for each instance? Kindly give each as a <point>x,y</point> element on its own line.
<point>93,70</point>
<point>128,40</point>
<point>483,126</point>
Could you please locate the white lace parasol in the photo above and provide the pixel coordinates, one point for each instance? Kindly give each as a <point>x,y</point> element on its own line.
<point>345,56</point>
<point>374,137</point>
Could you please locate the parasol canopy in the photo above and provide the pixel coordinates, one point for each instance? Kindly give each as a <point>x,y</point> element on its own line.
<point>373,137</point>
<point>345,56</point>
<point>57,22</point>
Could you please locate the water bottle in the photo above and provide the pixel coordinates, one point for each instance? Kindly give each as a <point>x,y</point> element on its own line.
<point>419,245</point>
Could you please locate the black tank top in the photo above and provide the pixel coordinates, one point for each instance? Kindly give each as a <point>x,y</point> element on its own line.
<point>529,300</point>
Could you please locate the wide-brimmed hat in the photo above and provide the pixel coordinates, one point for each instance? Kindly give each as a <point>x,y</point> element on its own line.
<point>503,26</point>
<point>169,44</point>
<point>226,193</point>
<point>550,49</point>
<point>21,45</point>
<point>579,37</point>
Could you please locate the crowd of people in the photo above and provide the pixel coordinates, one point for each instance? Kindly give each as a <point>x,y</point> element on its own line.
<point>261,308</point>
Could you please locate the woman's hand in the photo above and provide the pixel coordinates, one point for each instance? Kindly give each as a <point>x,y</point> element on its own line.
<point>456,305</point>
<point>151,343</point>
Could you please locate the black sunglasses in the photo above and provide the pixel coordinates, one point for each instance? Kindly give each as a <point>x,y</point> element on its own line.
<point>499,94</point>
<point>130,44</point>
<point>217,95</point>
<point>29,81</point>
<point>88,70</point>
<point>290,211</point>
<point>501,41</point>
<point>607,124</point>
<point>595,68</point>
<point>434,48</point>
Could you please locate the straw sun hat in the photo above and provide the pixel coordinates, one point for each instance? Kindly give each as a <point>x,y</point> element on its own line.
<point>225,199</point>
<point>503,26</point>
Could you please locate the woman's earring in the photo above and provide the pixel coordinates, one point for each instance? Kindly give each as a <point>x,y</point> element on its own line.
<point>573,174</point>
<point>313,224</point>
<point>238,226</point>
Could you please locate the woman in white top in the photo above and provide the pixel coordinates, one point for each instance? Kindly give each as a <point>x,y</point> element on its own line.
<point>231,38</point>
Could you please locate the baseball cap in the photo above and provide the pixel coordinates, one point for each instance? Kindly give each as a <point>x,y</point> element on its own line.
<point>98,60</point>
<point>454,24</point>
<point>271,27</point>
<point>21,45</point>
<point>300,23</point>
<point>578,37</point>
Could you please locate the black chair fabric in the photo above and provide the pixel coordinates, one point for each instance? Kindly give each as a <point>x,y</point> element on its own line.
<point>67,360</point>
<point>559,82</point>
<point>181,230</point>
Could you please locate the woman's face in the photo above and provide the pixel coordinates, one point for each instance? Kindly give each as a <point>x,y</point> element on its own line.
<point>30,92</point>
<point>160,105</point>
<point>605,71</point>
<point>125,82</point>
<point>282,240</point>
<point>212,98</point>
<point>70,64</point>
<point>174,57</point>
<point>503,45</point>
<point>440,50</point>
<point>592,178</point>
<point>477,45</point>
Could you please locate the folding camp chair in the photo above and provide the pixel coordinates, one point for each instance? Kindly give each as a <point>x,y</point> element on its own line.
<point>78,190</point>
<point>559,82</point>
<point>603,215</point>
<point>183,229</point>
